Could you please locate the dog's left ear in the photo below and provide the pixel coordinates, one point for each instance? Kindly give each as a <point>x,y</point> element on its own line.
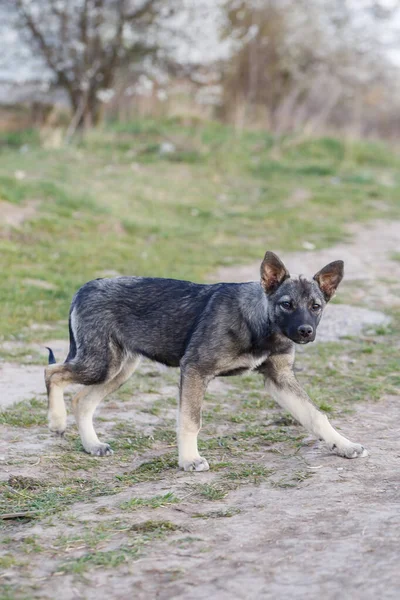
<point>273,272</point>
<point>329,278</point>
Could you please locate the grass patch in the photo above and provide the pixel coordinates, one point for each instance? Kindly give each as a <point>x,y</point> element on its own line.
<point>166,435</point>
<point>324,406</point>
<point>127,437</point>
<point>154,502</point>
<point>137,537</point>
<point>293,479</point>
<point>17,482</point>
<point>7,561</point>
<point>17,139</point>
<point>209,491</point>
<point>217,514</point>
<point>23,356</point>
<point>339,374</point>
<point>158,527</point>
<point>151,470</point>
<point>249,473</point>
<point>13,592</point>
<point>47,498</point>
<point>110,559</point>
<point>76,459</point>
<point>27,413</point>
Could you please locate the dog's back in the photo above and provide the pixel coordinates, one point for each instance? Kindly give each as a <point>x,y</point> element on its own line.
<point>153,317</point>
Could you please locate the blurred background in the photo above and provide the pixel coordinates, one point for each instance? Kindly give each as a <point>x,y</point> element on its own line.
<point>172,137</point>
<point>282,65</point>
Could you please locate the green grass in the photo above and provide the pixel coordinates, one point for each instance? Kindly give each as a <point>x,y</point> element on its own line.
<point>21,355</point>
<point>148,471</point>
<point>24,414</point>
<point>293,480</point>
<point>339,374</point>
<point>139,536</point>
<point>217,514</point>
<point>116,203</point>
<point>154,502</point>
<point>17,139</point>
<point>209,491</point>
<point>44,498</point>
<point>97,559</point>
<point>127,437</point>
<point>7,561</point>
<point>155,527</point>
<point>251,473</point>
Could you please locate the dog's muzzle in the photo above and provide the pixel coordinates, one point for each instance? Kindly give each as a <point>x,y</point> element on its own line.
<point>305,334</point>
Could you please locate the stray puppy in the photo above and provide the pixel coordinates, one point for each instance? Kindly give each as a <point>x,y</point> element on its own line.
<point>207,331</point>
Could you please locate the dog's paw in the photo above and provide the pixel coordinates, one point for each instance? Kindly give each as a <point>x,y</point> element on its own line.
<point>57,425</point>
<point>349,450</point>
<point>197,464</point>
<point>101,450</point>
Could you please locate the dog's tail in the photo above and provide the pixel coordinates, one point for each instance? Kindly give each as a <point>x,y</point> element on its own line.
<point>52,358</point>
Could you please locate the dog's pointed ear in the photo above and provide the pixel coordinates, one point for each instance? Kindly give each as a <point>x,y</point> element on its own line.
<point>273,272</point>
<point>329,278</point>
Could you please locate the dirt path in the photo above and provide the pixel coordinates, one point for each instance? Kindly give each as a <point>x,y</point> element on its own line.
<point>367,257</point>
<point>335,536</point>
<point>312,525</point>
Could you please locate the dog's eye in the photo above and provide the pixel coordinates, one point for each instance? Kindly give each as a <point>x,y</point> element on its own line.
<point>286,305</point>
<point>316,306</point>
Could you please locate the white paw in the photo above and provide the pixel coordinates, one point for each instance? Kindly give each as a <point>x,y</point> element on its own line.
<point>100,450</point>
<point>197,464</point>
<point>57,424</point>
<point>349,450</point>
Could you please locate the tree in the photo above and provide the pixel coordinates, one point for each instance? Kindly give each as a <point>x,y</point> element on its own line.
<point>306,64</point>
<point>83,43</point>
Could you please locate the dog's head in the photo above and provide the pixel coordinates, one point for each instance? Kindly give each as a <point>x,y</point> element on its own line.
<point>296,303</point>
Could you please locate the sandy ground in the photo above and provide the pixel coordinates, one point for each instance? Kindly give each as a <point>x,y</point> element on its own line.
<point>335,535</point>
<point>19,382</point>
<point>15,215</point>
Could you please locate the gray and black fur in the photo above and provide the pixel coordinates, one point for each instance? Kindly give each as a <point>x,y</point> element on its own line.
<point>206,330</point>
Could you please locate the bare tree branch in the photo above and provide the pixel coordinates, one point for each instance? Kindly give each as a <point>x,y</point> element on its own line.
<point>141,11</point>
<point>85,42</point>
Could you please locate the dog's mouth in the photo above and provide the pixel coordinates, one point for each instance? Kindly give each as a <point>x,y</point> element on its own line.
<point>301,340</point>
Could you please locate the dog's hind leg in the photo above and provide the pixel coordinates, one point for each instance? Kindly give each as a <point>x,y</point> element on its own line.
<point>57,377</point>
<point>86,401</point>
<point>192,390</point>
<point>284,388</point>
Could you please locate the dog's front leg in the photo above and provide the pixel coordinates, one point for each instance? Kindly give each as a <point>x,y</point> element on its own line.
<point>192,390</point>
<point>281,383</point>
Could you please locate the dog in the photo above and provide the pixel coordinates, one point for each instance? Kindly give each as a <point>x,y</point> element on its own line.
<point>208,331</point>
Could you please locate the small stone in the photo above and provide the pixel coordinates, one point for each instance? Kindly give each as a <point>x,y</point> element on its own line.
<point>308,246</point>
<point>167,148</point>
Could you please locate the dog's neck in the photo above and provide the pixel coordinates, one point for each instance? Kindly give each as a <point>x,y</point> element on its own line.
<point>255,309</point>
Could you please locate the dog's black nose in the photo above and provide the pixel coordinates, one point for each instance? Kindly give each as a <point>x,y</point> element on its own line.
<point>305,331</point>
